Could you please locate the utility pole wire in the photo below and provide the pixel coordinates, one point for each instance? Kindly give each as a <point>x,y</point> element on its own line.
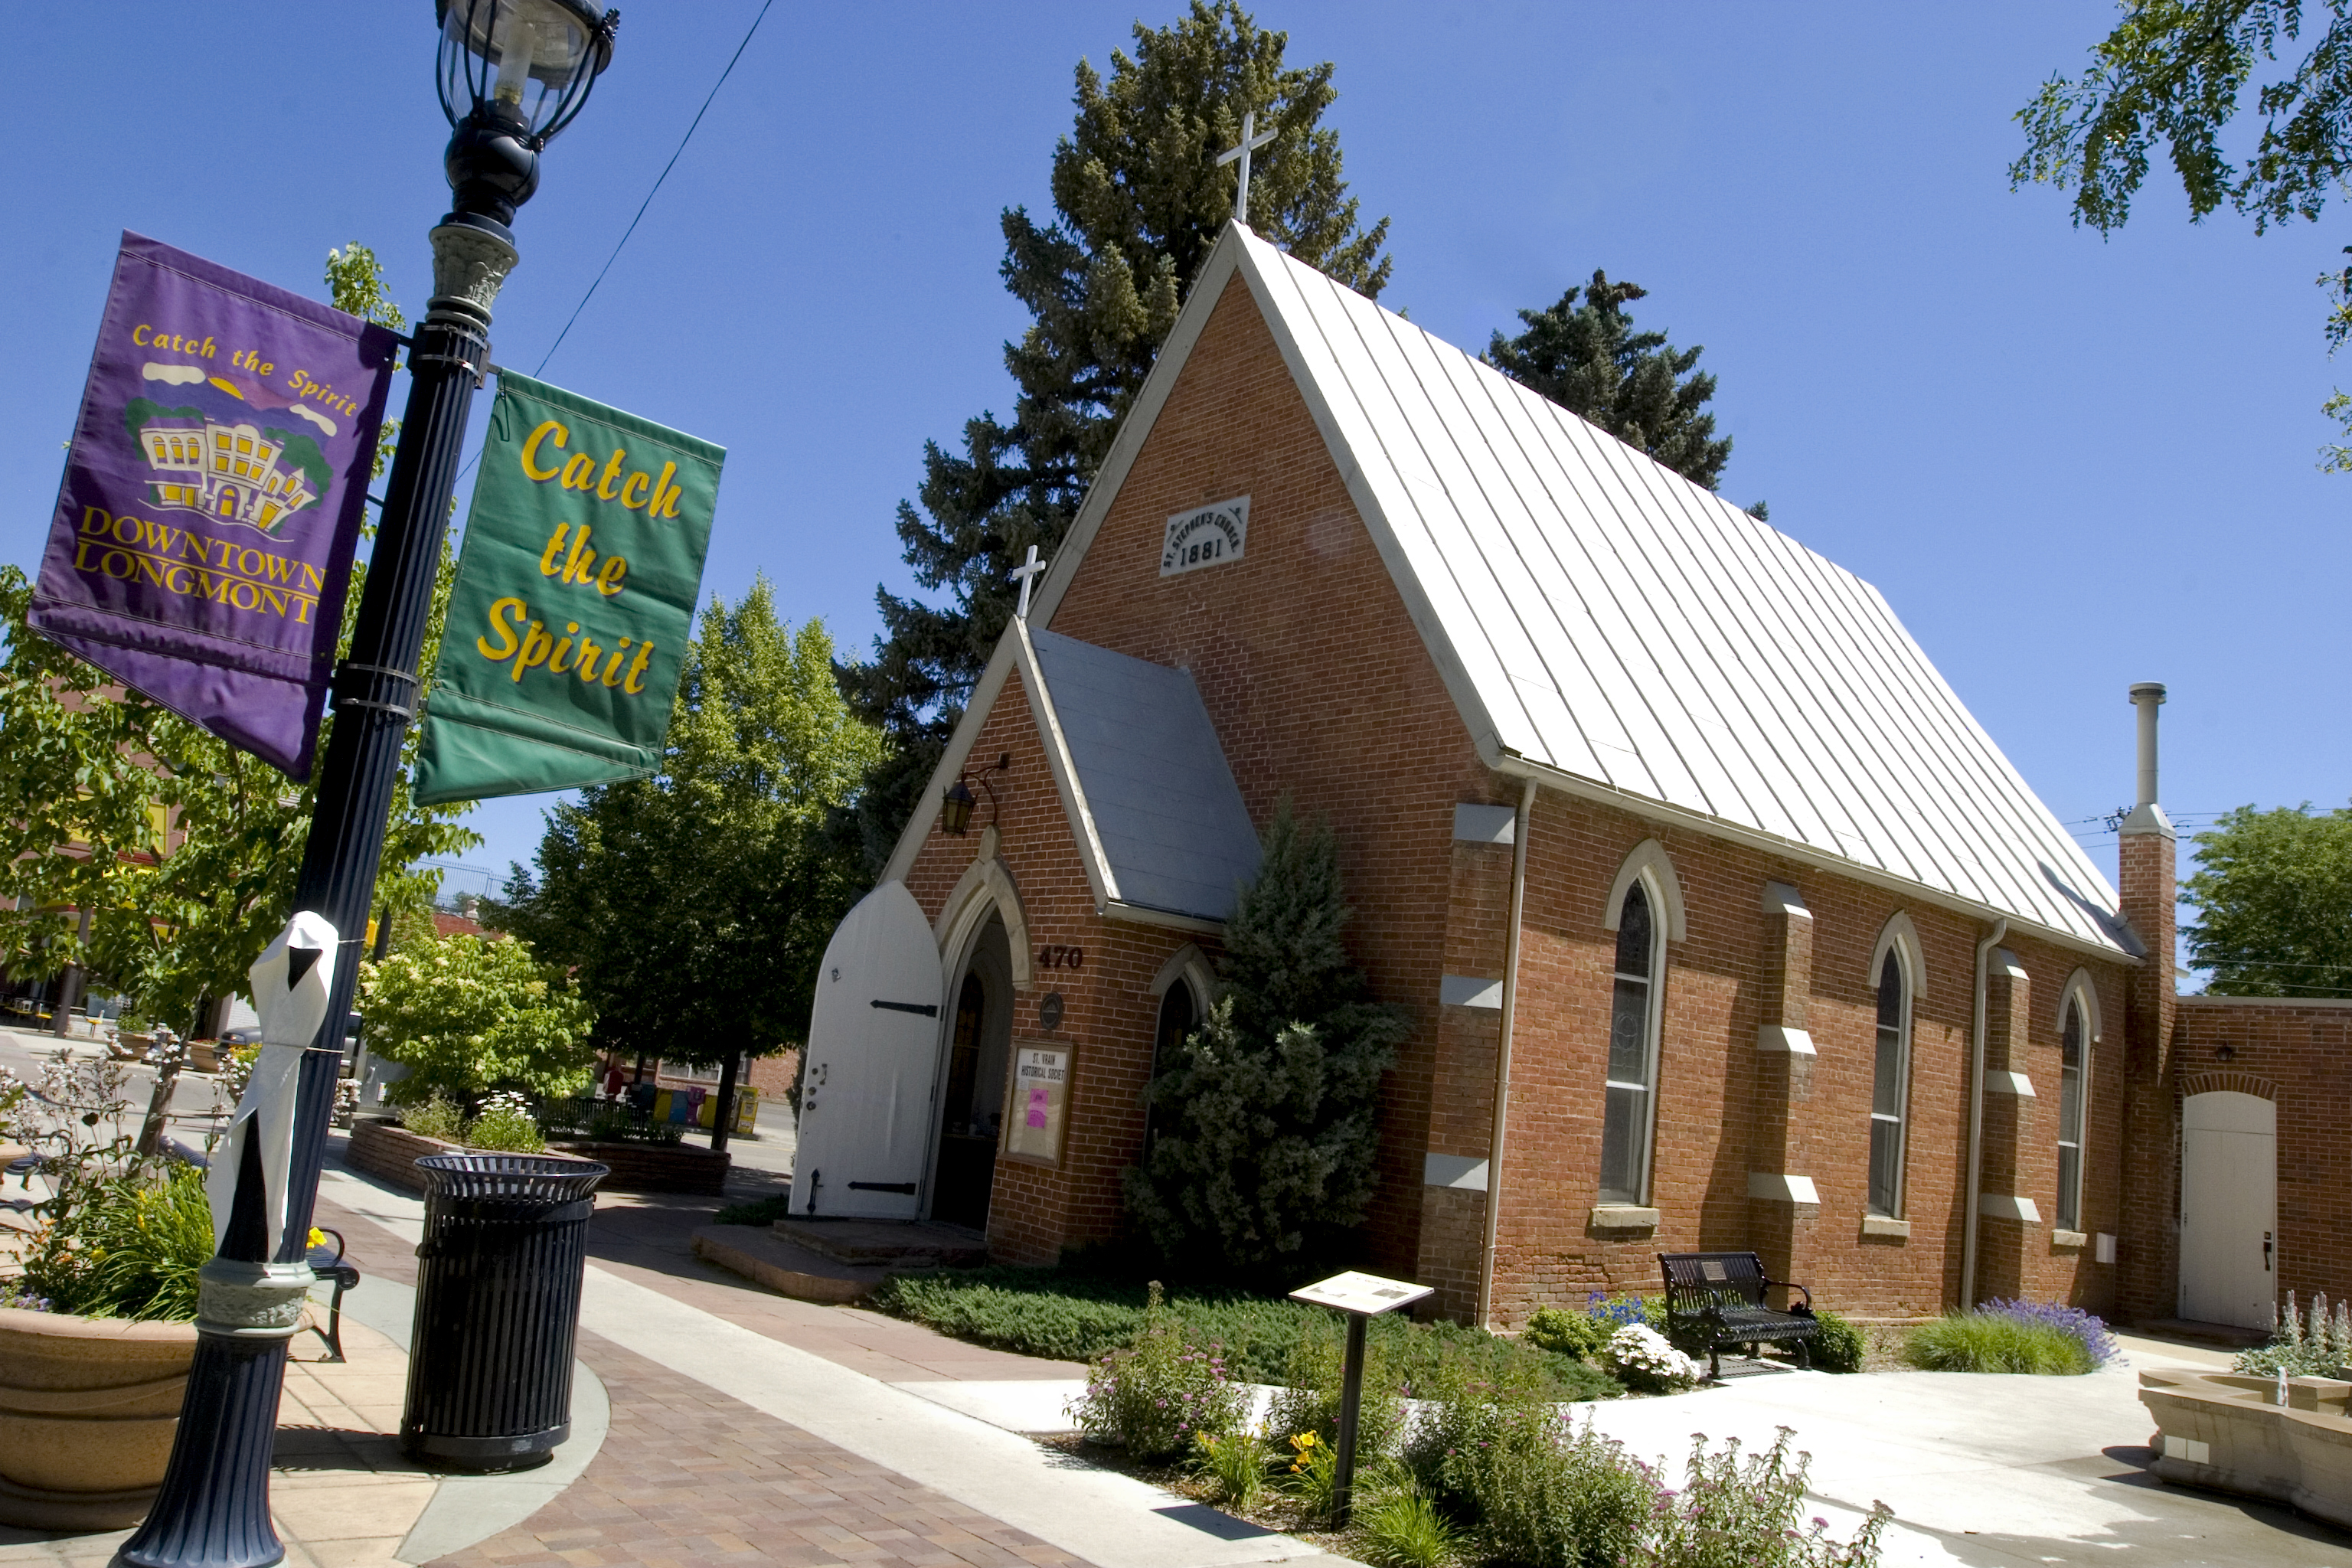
<point>657,184</point>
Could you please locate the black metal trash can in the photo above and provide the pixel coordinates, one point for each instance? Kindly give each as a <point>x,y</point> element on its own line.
<point>497,1308</point>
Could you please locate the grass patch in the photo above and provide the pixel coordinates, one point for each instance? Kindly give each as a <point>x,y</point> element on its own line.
<point>1070,1316</point>
<point>1992,1341</point>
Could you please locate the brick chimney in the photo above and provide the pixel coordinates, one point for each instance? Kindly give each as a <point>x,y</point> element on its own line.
<point>2149,877</point>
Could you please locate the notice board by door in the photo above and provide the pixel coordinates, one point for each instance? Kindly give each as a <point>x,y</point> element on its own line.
<point>2229,1209</point>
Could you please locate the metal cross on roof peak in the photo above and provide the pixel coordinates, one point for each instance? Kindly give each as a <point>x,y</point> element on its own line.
<point>1251,141</point>
<point>1024,574</point>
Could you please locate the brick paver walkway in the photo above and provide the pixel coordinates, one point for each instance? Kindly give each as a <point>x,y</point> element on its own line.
<point>689,1477</point>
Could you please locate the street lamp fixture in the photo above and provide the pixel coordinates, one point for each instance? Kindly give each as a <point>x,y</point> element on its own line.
<point>513,74</point>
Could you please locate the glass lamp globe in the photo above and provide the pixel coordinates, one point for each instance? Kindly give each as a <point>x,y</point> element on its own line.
<point>513,73</point>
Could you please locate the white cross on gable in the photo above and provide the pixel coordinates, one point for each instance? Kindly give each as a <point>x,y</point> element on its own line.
<point>1252,139</point>
<point>1026,573</point>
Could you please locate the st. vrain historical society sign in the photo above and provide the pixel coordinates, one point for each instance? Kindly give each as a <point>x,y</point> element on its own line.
<point>213,493</point>
<point>575,595</point>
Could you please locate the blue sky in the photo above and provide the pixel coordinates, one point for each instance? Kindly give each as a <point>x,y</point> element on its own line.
<point>2069,464</point>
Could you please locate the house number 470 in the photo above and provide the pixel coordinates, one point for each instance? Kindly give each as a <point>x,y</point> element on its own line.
<point>1056,956</point>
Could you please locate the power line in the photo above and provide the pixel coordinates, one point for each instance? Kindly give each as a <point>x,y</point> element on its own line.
<point>648,202</point>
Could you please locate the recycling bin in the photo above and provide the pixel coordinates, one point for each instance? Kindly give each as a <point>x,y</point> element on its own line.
<point>497,1308</point>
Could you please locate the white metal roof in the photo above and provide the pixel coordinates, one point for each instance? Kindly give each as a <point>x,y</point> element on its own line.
<point>1602,620</point>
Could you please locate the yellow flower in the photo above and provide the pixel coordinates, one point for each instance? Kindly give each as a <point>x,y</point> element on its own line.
<point>318,1238</point>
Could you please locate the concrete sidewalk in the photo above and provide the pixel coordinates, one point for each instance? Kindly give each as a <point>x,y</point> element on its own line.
<point>1993,1471</point>
<point>1070,1510</point>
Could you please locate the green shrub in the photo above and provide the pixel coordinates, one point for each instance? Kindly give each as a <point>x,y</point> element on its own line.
<point>1539,1491</point>
<point>1578,1334</point>
<point>471,1015</point>
<point>434,1116</point>
<point>1154,1396</point>
<point>1070,1314</point>
<point>2313,1347</point>
<point>1400,1526</point>
<point>1235,1466</point>
<point>1267,1141</point>
<point>1987,1341</point>
<point>1730,1512</point>
<point>1839,1347</point>
<point>506,1126</point>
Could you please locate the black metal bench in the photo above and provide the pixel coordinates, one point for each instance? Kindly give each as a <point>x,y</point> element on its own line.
<point>1719,1299</point>
<point>328,1263</point>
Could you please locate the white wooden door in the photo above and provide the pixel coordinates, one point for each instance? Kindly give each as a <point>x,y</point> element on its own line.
<point>2229,1209</point>
<point>872,1051</point>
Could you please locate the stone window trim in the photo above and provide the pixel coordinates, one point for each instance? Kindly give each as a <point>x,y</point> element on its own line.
<point>2080,987</point>
<point>985,887</point>
<point>1647,867</point>
<point>1189,967</point>
<point>2077,1018</point>
<point>1899,941</point>
<point>1648,863</point>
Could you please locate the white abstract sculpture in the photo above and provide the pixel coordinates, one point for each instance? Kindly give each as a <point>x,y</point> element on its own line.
<point>291,983</point>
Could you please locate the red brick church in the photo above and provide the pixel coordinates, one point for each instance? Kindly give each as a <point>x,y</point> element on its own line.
<point>1721,924</point>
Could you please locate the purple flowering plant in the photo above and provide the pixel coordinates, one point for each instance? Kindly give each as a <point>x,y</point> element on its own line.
<point>2087,1328</point>
<point>1156,1396</point>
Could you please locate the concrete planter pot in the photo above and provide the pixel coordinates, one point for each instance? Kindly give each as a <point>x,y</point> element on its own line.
<point>88,1408</point>
<point>2227,1431</point>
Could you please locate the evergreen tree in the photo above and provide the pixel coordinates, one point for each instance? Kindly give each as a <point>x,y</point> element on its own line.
<point>1588,358</point>
<point>1139,202</point>
<point>1267,1124</point>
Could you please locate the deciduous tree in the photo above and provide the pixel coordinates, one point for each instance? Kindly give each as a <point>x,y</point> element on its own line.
<point>695,905</point>
<point>2274,892</point>
<point>2175,73</point>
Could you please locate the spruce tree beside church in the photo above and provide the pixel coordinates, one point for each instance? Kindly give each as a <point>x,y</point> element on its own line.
<point>1265,1128</point>
<point>1139,202</point>
<point>1588,358</point>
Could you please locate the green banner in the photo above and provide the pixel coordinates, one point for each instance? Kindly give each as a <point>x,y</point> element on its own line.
<point>575,595</point>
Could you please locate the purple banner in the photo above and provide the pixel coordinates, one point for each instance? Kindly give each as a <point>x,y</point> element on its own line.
<point>203,533</point>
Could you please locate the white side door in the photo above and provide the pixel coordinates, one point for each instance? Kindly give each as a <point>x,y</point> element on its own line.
<point>2229,1209</point>
<point>872,1051</point>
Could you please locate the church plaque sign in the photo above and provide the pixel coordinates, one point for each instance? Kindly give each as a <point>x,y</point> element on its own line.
<point>1039,1106</point>
<point>1205,536</point>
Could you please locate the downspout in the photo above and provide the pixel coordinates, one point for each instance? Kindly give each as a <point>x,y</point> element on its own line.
<point>1975,1121</point>
<point>1503,1053</point>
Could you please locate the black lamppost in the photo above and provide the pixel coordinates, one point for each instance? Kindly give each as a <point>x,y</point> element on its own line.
<point>513,74</point>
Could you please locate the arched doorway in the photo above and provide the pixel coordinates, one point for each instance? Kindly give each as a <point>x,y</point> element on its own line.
<point>971,1094</point>
<point>2229,1209</point>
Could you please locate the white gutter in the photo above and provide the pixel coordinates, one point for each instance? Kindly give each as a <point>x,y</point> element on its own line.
<point>1503,1053</point>
<point>1975,1123</point>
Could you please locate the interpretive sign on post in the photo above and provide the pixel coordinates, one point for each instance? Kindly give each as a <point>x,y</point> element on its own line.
<point>1362,1297</point>
<point>213,495</point>
<point>575,592</point>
